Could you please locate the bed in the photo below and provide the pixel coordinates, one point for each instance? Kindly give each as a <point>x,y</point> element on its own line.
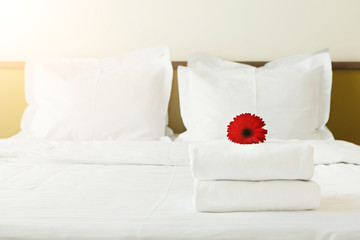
<point>53,189</point>
<point>81,197</point>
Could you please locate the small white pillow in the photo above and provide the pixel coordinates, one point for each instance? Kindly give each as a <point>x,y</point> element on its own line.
<point>114,98</point>
<point>293,99</point>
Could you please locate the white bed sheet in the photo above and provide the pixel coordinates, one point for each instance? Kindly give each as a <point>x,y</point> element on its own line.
<point>73,200</point>
<point>25,148</point>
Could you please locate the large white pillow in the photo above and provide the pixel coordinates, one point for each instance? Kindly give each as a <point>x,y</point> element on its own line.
<point>292,95</point>
<point>114,98</point>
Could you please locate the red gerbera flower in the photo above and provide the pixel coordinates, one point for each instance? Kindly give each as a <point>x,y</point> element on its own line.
<point>246,129</point>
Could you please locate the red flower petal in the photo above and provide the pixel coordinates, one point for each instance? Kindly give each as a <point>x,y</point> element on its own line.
<point>246,129</point>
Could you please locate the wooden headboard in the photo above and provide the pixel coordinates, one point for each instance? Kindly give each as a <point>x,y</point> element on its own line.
<point>344,116</point>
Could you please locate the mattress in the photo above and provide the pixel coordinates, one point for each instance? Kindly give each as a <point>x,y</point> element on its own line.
<point>144,190</point>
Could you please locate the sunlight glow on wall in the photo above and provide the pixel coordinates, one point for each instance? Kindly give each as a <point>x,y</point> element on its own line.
<point>231,29</point>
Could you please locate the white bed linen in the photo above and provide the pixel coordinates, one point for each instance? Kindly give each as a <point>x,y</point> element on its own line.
<point>222,159</point>
<point>113,98</point>
<point>275,195</point>
<point>77,201</point>
<point>291,94</point>
<point>23,147</point>
<point>72,200</point>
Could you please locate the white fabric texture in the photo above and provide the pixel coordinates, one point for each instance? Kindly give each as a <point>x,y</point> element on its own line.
<point>81,201</point>
<point>328,152</point>
<point>25,148</point>
<point>222,159</point>
<point>292,98</point>
<point>277,195</point>
<point>309,61</point>
<point>88,200</point>
<point>113,98</point>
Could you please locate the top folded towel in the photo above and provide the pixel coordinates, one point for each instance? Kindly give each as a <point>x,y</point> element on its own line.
<point>224,160</point>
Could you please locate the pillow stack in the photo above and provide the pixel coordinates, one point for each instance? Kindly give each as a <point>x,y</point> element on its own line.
<point>123,97</point>
<point>258,177</point>
<point>292,95</point>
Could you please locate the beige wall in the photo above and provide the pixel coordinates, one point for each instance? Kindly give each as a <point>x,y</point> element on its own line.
<point>232,29</point>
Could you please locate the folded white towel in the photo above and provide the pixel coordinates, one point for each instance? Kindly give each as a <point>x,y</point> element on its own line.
<point>231,196</point>
<point>222,159</point>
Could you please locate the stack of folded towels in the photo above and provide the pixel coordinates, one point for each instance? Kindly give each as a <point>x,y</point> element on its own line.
<point>257,177</point>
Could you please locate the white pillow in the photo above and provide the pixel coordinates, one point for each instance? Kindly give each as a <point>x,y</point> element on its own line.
<point>292,96</point>
<point>114,98</point>
<point>309,61</point>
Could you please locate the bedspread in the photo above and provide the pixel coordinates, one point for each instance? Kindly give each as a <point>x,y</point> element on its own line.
<point>98,200</point>
<point>77,201</point>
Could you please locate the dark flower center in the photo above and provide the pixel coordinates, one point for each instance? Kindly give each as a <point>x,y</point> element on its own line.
<point>246,132</point>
